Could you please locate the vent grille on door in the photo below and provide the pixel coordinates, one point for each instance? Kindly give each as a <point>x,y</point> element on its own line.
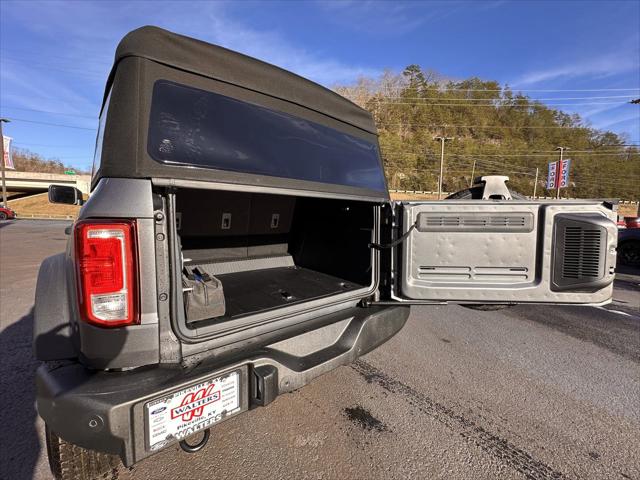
<point>475,275</point>
<point>455,222</point>
<point>579,251</point>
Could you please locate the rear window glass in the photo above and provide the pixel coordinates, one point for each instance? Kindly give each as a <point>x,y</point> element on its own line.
<point>97,154</point>
<point>193,127</point>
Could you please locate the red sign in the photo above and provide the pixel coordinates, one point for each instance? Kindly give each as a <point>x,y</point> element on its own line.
<point>8,159</point>
<point>558,176</point>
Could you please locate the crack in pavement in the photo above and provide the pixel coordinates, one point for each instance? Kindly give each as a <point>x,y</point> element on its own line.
<point>489,442</point>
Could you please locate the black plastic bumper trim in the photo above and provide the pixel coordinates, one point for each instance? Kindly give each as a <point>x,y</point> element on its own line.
<point>102,410</point>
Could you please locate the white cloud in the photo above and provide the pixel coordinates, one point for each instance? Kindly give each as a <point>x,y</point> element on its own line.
<point>381,18</point>
<point>80,29</point>
<point>601,67</point>
<point>631,119</point>
<point>273,48</point>
<point>28,88</point>
<point>396,18</point>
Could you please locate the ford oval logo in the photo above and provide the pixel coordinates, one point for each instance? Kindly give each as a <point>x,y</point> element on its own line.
<point>158,410</point>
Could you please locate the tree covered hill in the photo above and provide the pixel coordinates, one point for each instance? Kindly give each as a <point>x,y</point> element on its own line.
<point>501,131</point>
<point>27,161</point>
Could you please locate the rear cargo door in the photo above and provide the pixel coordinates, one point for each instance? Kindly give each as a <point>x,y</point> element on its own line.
<point>501,251</point>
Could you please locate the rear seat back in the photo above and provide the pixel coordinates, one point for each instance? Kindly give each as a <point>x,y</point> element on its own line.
<point>271,214</point>
<point>215,225</point>
<point>204,213</point>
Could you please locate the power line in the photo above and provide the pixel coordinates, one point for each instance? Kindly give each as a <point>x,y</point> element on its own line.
<point>49,112</point>
<point>509,169</point>
<point>52,146</point>
<point>429,125</point>
<point>507,88</point>
<point>525,153</point>
<point>473,155</point>
<point>501,155</point>
<point>598,182</point>
<point>512,168</point>
<point>73,114</point>
<point>84,73</point>
<point>578,182</point>
<point>499,99</point>
<point>73,157</point>
<point>502,169</point>
<point>383,123</point>
<point>14,119</point>
<point>39,54</point>
<point>603,177</point>
<point>531,105</point>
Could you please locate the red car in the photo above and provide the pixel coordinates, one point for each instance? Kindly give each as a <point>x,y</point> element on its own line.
<point>629,222</point>
<point>632,222</point>
<point>7,213</point>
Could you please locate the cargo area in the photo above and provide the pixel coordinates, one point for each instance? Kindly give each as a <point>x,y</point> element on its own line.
<point>257,252</point>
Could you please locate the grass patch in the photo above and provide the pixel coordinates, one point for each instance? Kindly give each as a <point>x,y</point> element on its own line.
<point>39,205</point>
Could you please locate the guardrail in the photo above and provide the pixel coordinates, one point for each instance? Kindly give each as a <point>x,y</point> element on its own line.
<point>425,192</point>
<point>418,192</point>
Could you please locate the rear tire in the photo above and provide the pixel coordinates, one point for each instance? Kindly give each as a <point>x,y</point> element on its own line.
<point>3,216</point>
<point>71,462</point>
<point>629,253</point>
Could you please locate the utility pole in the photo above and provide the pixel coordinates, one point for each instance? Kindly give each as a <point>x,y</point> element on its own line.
<point>442,140</point>
<point>473,171</point>
<point>535,183</point>
<point>562,149</point>
<point>2,165</point>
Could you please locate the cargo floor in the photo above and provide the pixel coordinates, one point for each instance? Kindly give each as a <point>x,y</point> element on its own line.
<point>258,290</point>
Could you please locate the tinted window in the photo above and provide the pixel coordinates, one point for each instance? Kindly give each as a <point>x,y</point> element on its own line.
<point>97,154</point>
<point>194,127</point>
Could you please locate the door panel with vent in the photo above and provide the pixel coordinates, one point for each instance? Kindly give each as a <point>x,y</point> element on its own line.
<point>503,252</point>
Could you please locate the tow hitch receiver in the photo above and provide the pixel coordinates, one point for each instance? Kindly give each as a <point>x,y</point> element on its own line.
<point>196,447</point>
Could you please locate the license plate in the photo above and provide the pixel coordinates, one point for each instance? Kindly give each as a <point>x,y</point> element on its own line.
<point>191,409</point>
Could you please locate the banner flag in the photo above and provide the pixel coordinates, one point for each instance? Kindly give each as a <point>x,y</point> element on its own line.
<point>552,177</point>
<point>563,177</point>
<point>8,159</point>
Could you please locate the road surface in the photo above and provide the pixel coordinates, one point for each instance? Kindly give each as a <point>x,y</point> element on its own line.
<point>529,392</point>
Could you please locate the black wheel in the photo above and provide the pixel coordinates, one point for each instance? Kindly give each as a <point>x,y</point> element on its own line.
<point>475,193</point>
<point>71,462</point>
<point>629,253</point>
<point>3,216</point>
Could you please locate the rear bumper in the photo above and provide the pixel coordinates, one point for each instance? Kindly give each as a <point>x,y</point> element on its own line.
<point>103,411</point>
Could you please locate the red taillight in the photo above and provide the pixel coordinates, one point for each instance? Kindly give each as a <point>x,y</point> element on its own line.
<point>107,272</point>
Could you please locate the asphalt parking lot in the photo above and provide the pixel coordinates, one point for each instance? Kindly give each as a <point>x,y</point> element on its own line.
<point>529,392</point>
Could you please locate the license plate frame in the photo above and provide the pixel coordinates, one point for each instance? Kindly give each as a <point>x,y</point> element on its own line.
<point>194,407</point>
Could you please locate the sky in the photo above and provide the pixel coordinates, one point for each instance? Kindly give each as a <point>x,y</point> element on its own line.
<point>55,55</point>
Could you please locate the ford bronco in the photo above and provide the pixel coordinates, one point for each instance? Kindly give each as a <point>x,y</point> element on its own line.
<point>239,241</point>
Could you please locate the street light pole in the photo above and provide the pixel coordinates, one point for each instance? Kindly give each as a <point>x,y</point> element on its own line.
<point>562,149</point>
<point>535,183</point>
<point>442,140</point>
<point>473,171</point>
<point>2,165</point>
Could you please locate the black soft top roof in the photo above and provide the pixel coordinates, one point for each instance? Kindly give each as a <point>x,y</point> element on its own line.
<point>149,57</point>
<point>212,61</point>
